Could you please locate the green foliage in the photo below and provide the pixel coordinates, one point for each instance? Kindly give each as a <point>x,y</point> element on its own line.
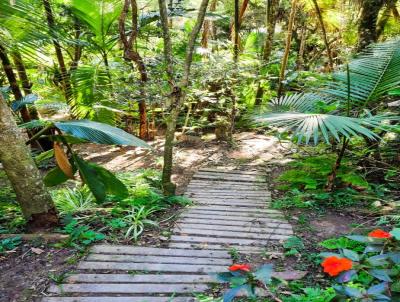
<point>293,246</point>
<point>73,201</point>
<point>136,219</point>
<point>81,234</point>
<point>313,295</point>
<point>9,244</point>
<point>311,173</point>
<point>363,84</point>
<point>341,243</point>
<point>374,269</point>
<point>247,281</point>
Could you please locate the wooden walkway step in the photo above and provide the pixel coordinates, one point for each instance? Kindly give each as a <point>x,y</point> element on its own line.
<point>230,211</point>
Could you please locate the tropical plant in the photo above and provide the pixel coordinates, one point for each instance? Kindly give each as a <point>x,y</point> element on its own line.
<point>241,278</point>
<point>341,110</point>
<point>99,180</point>
<point>73,201</point>
<point>136,219</point>
<point>371,275</point>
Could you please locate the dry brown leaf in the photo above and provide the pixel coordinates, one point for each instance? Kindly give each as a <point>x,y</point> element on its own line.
<point>62,160</point>
<point>37,251</point>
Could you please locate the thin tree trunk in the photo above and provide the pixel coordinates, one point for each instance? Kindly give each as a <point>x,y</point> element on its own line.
<point>12,79</point>
<point>300,57</point>
<point>36,203</point>
<point>387,13</point>
<point>65,77</point>
<point>177,95</point>
<point>25,82</point>
<point>271,15</point>
<point>287,47</point>
<point>236,33</point>
<point>77,46</point>
<point>132,55</point>
<point>321,23</point>
<point>270,24</point>
<point>207,27</point>
<point>368,21</point>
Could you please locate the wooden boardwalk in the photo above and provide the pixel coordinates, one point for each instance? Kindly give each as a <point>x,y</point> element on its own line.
<point>230,212</point>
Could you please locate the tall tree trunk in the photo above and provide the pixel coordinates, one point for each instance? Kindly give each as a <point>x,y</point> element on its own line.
<point>132,55</point>
<point>177,95</point>
<point>77,46</point>
<point>271,15</point>
<point>387,13</point>
<point>65,77</point>
<point>36,203</point>
<point>300,56</point>
<point>12,79</point>
<point>368,20</point>
<point>25,82</point>
<point>321,23</point>
<point>207,27</point>
<point>287,47</point>
<point>236,32</point>
<point>270,24</point>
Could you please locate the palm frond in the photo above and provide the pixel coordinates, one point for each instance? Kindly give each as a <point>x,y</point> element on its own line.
<point>373,74</point>
<point>305,126</point>
<point>298,102</point>
<point>99,133</point>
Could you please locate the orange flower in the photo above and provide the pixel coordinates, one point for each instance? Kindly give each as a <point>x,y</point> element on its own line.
<point>240,267</point>
<point>334,265</point>
<point>379,234</point>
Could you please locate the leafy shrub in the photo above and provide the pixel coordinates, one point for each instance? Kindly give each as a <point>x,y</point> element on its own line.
<point>81,234</point>
<point>73,201</point>
<point>373,274</point>
<point>9,244</point>
<point>313,295</point>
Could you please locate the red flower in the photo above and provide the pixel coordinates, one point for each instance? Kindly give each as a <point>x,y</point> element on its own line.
<point>379,234</point>
<point>334,265</point>
<point>240,267</point>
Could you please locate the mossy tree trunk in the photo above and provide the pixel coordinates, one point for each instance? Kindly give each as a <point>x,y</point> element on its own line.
<point>36,203</point>
<point>367,33</point>
<point>177,95</point>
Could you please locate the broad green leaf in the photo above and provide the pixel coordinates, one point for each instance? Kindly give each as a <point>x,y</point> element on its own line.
<point>55,177</point>
<point>350,254</point>
<point>99,180</point>
<point>99,133</point>
<point>231,293</point>
<point>264,273</point>
<point>380,274</point>
<point>346,276</point>
<point>396,233</point>
<point>378,289</point>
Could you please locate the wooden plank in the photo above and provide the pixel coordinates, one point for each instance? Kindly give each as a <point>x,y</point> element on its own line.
<point>231,214</point>
<point>141,250</point>
<point>128,288</point>
<point>227,194</point>
<point>228,234</point>
<point>230,223</point>
<point>157,259</point>
<point>234,176</point>
<point>146,278</point>
<point>150,267</point>
<point>266,218</point>
<point>246,229</point>
<point>232,204</point>
<point>242,249</point>
<point>230,198</point>
<point>235,209</point>
<point>233,171</point>
<point>224,240</point>
<point>220,178</point>
<point>119,299</point>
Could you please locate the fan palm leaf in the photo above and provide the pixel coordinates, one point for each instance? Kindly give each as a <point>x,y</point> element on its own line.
<point>373,74</point>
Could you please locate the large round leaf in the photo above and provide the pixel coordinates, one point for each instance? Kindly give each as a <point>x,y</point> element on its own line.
<point>100,133</point>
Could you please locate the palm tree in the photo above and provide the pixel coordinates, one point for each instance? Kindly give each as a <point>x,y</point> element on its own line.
<point>340,111</point>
